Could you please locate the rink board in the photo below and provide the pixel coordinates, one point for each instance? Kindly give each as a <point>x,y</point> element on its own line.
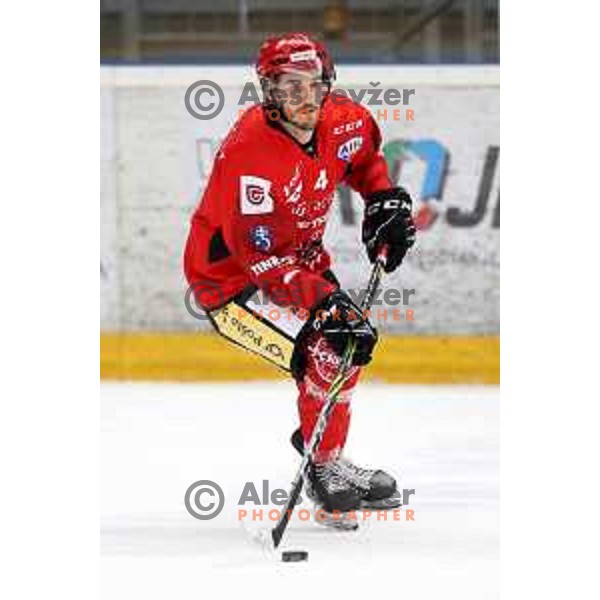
<point>156,159</point>
<point>145,356</point>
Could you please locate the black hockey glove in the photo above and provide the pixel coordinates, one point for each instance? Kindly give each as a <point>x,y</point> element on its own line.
<point>340,319</point>
<point>388,222</point>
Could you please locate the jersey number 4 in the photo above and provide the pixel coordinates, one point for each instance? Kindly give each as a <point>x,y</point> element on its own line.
<point>321,181</point>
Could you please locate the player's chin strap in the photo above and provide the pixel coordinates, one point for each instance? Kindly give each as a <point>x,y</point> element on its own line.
<point>332,396</point>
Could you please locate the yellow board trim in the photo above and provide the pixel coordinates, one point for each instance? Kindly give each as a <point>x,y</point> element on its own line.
<point>209,357</point>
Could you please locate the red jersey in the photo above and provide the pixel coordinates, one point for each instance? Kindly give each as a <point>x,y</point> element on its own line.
<point>264,210</point>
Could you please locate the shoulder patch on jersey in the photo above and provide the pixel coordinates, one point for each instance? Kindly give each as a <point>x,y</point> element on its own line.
<point>349,148</point>
<point>262,238</point>
<point>255,195</point>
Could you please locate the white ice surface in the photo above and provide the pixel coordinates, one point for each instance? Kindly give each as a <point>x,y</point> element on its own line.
<point>158,439</point>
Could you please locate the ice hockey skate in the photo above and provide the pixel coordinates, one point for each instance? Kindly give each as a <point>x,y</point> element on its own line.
<point>376,489</point>
<point>334,496</point>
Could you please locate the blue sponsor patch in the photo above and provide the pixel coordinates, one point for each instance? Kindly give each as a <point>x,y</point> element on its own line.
<point>346,150</point>
<point>262,239</point>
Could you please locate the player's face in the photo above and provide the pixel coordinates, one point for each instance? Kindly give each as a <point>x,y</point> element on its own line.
<point>301,97</point>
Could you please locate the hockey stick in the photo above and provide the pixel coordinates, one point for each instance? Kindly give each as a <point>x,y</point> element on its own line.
<point>332,396</point>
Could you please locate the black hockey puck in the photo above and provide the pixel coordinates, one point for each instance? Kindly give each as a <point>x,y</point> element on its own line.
<point>294,555</point>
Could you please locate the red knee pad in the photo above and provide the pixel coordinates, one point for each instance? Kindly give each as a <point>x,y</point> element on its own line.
<point>322,365</point>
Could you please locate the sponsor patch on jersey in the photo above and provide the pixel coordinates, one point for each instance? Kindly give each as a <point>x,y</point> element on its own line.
<point>349,148</point>
<point>255,195</point>
<point>271,263</point>
<point>347,127</point>
<point>262,238</point>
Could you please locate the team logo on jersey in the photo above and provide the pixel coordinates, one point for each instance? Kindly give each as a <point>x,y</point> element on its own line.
<point>349,148</point>
<point>255,193</point>
<point>262,238</point>
<point>255,196</point>
<point>293,190</point>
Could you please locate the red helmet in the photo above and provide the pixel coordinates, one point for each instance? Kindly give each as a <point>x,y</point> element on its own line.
<point>293,51</point>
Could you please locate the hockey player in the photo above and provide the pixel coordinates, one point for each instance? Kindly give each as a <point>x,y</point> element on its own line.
<point>260,226</point>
